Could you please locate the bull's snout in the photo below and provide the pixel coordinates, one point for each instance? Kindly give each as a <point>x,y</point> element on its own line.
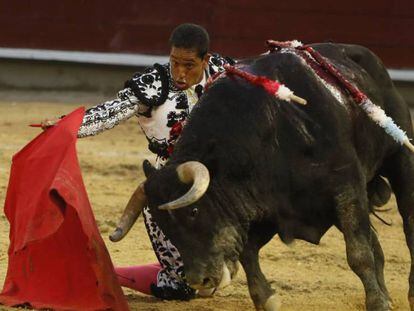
<point>200,282</point>
<point>207,282</point>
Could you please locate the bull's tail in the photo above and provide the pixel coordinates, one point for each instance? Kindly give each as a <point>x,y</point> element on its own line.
<point>379,193</point>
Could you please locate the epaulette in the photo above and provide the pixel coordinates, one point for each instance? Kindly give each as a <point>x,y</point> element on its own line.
<point>151,87</point>
<point>216,63</point>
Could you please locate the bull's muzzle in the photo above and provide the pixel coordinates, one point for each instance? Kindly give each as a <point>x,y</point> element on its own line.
<point>207,285</point>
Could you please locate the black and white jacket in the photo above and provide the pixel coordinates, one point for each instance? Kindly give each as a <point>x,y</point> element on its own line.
<point>153,98</point>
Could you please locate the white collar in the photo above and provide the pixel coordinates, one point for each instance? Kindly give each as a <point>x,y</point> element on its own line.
<point>202,83</point>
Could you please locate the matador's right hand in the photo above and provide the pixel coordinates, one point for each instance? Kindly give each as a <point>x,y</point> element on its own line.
<point>45,124</point>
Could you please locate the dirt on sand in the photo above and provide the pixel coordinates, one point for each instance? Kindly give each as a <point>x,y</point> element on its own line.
<point>305,276</point>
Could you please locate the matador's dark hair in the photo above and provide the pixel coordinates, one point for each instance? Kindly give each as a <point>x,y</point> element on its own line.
<point>191,36</point>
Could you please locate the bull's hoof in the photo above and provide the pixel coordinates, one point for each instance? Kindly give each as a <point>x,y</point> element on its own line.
<point>209,292</point>
<point>411,302</point>
<point>379,305</point>
<point>272,304</point>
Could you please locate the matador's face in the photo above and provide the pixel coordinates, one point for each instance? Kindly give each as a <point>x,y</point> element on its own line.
<point>187,68</point>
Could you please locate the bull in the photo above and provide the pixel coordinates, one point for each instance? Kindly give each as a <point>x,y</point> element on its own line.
<point>249,166</point>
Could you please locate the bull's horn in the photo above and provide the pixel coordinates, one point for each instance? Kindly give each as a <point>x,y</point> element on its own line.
<point>190,172</point>
<point>133,209</point>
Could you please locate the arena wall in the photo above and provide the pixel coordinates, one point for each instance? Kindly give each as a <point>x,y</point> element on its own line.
<point>238,28</point>
<point>125,32</point>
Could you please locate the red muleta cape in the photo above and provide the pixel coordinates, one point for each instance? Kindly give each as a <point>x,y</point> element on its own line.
<point>57,258</point>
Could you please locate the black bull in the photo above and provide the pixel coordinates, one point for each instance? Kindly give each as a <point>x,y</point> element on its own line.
<point>280,168</point>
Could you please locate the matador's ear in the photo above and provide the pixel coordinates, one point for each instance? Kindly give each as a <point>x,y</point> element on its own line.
<point>148,168</point>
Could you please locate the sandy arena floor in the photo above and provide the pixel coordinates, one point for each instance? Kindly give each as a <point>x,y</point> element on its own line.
<point>305,276</point>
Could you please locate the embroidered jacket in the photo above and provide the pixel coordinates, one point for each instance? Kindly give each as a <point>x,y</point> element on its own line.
<point>158,104</point>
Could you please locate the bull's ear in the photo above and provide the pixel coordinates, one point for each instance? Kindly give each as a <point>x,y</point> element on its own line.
<point>148,168</point>
<point>211,156</point>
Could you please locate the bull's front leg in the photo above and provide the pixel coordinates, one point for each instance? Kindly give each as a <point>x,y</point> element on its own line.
<point>262,294</point>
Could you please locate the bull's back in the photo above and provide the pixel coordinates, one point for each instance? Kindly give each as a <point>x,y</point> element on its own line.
<point>364,69</point>
<point>332,108</point>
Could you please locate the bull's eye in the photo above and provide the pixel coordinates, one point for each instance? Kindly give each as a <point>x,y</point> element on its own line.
<point>194,212</point>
